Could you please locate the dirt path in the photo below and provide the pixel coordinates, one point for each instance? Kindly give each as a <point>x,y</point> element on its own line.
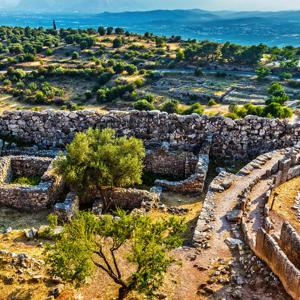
<point>201,270</point>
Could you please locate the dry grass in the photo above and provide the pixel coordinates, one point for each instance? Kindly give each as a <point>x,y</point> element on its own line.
<point>99,286</point>
<point>285,200</point>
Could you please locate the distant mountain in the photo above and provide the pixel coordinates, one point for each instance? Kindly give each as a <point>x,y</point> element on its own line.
<point>273,28</point>
<point>83,6</point>
<point>163,17</point>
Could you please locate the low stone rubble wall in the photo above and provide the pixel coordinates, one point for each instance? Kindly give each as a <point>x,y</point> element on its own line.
<point>195,182</point>
<point>269,250</point>
<point>129,199</point>
<point>66,210</point>
<point>24,197</point>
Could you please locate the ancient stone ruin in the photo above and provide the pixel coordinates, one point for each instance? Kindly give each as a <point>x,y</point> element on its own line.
<point>179,150</point>
<point>26,197</point>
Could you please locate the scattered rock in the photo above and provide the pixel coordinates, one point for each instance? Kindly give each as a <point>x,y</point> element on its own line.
<point>30,233</point>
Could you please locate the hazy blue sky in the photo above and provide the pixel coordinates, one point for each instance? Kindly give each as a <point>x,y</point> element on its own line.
<point>172,4</point>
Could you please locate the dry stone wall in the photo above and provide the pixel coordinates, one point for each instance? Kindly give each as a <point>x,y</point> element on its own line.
<point>280,252</point>
<point>233,139</point>
<point>175,164</point>
<point>290,243</point>
<point>25,197</point>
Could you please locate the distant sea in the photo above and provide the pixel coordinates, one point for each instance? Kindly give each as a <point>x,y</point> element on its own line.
<point>243,33</point>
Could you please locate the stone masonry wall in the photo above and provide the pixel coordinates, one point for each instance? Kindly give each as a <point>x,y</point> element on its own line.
<point>268,249</point>
<point>233,139</point>
<point>24,197</point>
<point>290,243</point>
<point>177,164</point>
<point>22,166</point>
<point>281,253</point>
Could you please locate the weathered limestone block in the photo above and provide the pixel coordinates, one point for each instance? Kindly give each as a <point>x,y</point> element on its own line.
<point>290,243</point>
<point>67,210</point>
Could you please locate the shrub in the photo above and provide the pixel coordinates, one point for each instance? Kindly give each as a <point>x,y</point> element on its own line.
<point>211,102</point>
<point>170,106</point>
<point>285,76</point>
<point>75,55</point>
<point>143,104</point>
<point>195,108</point>
<point>101,30</point>
<point>117,43</point>
<point>262,72</point>
<point>199,72</point>
<point>49,52</point>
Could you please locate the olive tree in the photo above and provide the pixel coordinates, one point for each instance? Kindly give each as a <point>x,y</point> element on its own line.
<point>98,159</point>
<point>89,242</point>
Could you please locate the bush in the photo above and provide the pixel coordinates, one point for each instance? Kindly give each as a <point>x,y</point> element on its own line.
<point>195,108</point>
<point>212,102</point>
<point>262,72</point>
<point>131,69</point>
<point>143,104</point>
<point>199,72</point>
<point>117,43</point>
<point>49,52</point>
<point>170,106</point>
<point>285,76</point>
<point>75,55</point>
<point>101,30</point>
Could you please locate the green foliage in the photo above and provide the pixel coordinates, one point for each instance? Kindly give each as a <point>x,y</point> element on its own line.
<point>143,104</point>
<point>195,108</point>
<point>53,221</point>
<point>49,52</point>
<point>131,69</point>
<point>285,75</point>
<point>211,102</point>
<point>70,256</point>
<point>88,242</point>
<point>277,94</point>
<point>180,55</point>
<point>109,94</point>
<point>23,180</point>
<point>101,30</point>
<point>272,110</point>
<point>75,55</point>
<point>97,159</point>
<point>170,106</point>
<point>117,43</point>
<point>262,72</point>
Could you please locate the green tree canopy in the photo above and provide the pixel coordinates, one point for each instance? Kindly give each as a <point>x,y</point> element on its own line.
<point>88,242</point>
<point>97,159</point>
